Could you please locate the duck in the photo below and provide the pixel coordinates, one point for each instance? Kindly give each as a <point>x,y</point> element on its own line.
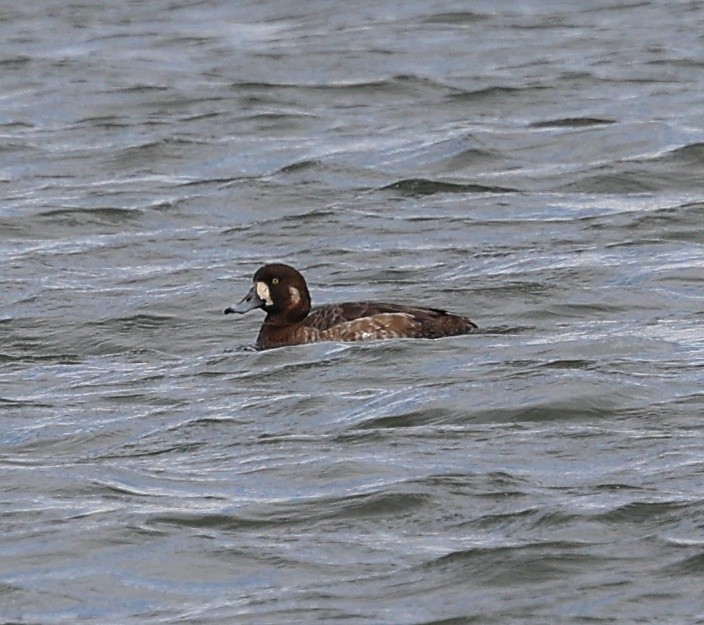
<point>281,291</point>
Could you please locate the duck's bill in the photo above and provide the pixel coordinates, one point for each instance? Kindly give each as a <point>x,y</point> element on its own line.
<point>249,302</point>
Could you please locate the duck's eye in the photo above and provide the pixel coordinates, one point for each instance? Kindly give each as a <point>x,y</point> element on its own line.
<point>274,280</point>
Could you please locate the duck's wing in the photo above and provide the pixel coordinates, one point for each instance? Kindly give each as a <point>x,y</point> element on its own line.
<point>325,317</point>
<point>389,320</point>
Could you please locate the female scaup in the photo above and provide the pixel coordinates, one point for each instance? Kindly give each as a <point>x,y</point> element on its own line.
<point>283,294</point>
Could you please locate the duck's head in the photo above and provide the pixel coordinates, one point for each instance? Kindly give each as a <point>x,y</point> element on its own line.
<point>279,290</point>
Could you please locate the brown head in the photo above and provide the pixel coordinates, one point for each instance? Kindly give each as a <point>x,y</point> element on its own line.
<point>280,291</point>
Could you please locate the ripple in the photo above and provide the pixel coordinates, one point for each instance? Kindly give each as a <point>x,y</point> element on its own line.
<point>423,186</point>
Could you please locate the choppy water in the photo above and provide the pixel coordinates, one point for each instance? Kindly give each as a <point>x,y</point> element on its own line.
<point>537,166</point>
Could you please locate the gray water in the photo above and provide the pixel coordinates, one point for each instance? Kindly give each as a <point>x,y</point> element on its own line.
<point>536,166</point>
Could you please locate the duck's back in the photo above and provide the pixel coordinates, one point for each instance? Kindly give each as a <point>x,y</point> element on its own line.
<point>358,320</point>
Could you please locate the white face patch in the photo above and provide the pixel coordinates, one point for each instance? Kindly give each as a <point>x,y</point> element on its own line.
<point>263,293</point>
<point>295,295</point>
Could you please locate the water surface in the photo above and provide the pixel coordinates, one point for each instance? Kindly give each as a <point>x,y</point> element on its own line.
<point>538,168</point>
